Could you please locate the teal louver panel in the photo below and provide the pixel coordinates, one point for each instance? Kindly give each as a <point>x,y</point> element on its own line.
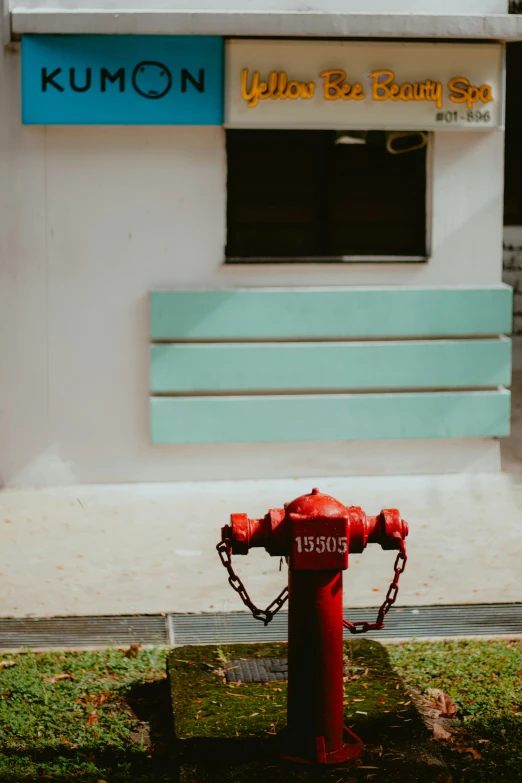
<point>323,417</point>
<point>330,313</point>
<point>238,367</point>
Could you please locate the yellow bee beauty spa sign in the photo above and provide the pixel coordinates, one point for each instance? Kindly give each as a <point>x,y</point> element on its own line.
<point>349,85</point>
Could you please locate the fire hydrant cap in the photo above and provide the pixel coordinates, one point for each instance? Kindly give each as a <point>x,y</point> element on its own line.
<point>316,505</point>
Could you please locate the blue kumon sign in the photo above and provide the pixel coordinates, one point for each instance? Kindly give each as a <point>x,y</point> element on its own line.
<point>122,80</point>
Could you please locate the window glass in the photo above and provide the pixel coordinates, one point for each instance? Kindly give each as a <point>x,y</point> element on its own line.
<point>300,195</point>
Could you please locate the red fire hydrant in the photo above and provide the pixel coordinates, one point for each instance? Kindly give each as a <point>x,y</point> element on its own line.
<point>315,533</point>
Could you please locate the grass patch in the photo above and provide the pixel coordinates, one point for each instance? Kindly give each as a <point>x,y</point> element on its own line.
<point>86,716</point>
<point>485,680</point>
<point>97,716</point>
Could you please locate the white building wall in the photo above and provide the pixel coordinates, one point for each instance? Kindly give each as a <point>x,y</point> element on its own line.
<point>282,6</point>
<point>94,218</point>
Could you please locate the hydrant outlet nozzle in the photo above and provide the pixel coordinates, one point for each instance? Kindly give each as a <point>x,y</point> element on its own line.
<point>388,529</point>
<point>269,532</point>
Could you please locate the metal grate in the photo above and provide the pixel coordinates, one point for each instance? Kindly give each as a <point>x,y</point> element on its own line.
<point>41,632</point>
<point>226,628</point>
<point>401,623</point>
<point>257,670</point>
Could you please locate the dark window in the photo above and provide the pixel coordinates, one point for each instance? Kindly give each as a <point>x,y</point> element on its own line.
<point>513,148</point>
<point>298,195</point>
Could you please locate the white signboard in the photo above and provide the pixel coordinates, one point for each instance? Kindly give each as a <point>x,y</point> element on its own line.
<point>349,85</point>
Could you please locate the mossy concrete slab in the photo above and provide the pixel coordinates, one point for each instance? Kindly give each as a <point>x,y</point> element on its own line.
<point>228,732</point>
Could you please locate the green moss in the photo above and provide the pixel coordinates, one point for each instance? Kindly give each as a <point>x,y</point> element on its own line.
<point>251,715</point>
<point>206,706</point>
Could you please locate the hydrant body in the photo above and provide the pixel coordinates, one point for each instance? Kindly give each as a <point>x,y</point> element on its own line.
<point>315,669</point>
<point>316,533</point>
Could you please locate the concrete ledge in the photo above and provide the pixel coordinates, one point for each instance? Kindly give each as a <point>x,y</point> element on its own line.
<point>253,461</point>
<point>218,741</point>
<point>160,21</point>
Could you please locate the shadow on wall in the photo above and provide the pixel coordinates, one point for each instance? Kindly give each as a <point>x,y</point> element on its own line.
<point>512,270</point>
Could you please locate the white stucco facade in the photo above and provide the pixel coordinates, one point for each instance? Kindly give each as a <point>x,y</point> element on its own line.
<point>93,218</point>
<point>324,6</point>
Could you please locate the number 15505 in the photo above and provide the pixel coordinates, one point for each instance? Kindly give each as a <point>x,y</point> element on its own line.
<point>322,544</point>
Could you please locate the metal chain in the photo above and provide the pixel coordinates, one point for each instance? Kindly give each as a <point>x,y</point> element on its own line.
<point>363,626</point>
<point>265,615</point>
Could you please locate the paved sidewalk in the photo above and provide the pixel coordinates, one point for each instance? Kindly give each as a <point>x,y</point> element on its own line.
<point>151,548</point>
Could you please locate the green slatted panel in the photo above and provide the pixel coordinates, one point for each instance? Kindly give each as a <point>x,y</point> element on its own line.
<point>330,313</point>
<point>326,417</point>
<point>211,367</point>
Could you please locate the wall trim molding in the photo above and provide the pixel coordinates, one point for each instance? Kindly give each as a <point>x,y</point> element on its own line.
<point>125,21</point>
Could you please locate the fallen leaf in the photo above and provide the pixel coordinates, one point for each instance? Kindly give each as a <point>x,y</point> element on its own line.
<point>133,651</point>
<point>239,695</point>
<point>253,715</point>
<point>376,589</point>
<point>5,664</point>
<point>57,677</point>
<point>440,733</point>
<point>475,753</point>
<point>93,718</point>
<point>443,703</point>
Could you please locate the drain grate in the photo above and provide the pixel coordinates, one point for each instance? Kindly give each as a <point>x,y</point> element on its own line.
<point>401,623</point>
<point>257,670</point>
<point>40,632</point>
<point>232,627</point>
